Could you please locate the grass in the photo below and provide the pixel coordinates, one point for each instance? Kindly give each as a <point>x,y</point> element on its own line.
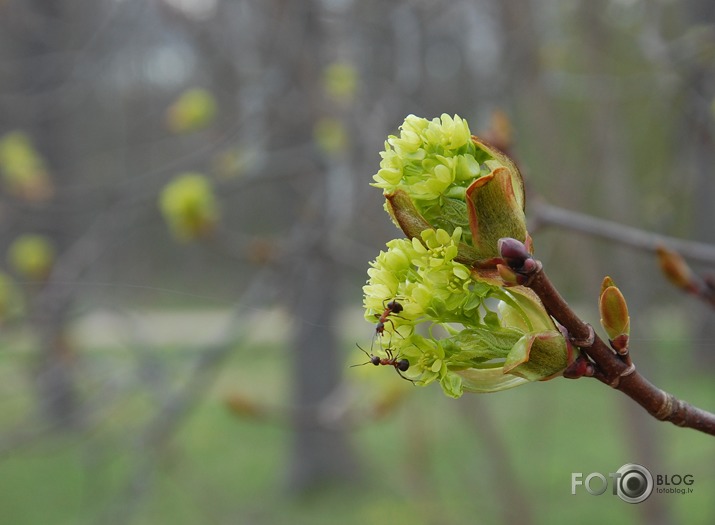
<point>431,460</point>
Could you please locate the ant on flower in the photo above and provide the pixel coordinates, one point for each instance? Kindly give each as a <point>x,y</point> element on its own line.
<point>400,365</point>
<point>391,308</point>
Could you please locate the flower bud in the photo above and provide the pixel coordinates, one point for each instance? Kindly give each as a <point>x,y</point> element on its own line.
<point>189,206</point>
<point>614,315</point>
<point>23,170</point>
<point>330,136</point>
<point>676,270</point>
<point>513,251</point>
<point>193,110</point>
<point>340,81</point>
<point>32,256</point>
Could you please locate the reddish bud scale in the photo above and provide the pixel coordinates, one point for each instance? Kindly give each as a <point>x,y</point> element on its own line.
<point>581,367</point>
<point>620,344</point>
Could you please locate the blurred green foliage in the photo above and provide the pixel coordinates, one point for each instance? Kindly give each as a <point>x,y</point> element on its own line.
<point>189,206</point>
<point>341,81</point>
<point>31,256</point>
<point>11,299</point>
<point>331,136</point>
<point>23,169</point>
<point>194,109</point>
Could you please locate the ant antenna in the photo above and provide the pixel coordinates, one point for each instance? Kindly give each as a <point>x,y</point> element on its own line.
<point>373,359</point>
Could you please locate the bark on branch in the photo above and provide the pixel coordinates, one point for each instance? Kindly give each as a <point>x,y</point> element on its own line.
<point>615,370</point>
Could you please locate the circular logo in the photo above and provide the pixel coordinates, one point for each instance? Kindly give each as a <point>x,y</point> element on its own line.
<point>635,483</point>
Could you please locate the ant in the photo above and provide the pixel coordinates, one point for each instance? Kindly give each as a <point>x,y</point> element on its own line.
<point>400,365</point>
<point>393,307</point>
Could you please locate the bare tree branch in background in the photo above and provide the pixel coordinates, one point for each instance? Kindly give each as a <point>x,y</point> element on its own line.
<point>543,214</point>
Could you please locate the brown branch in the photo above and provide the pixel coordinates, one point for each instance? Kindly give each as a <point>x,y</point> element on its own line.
<point>600,361</point>
<point>615,371</point>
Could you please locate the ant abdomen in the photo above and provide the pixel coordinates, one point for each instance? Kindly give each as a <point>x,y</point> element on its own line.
<point>394,307</point>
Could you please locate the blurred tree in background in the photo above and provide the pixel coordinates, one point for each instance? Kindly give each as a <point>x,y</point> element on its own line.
<point>280,109</point>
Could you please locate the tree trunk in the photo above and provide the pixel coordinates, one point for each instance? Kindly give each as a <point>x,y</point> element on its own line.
<point>320,451</point>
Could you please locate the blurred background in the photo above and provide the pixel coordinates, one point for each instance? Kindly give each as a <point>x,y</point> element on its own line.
<point>186,222</point>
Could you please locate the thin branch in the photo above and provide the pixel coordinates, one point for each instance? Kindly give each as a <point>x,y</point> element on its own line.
<point>544,214</point>
<point>612,369</point>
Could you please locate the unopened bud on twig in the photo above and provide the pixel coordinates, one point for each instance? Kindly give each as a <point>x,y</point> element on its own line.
<point>676,270</point>
<point>518,258</point>
<point>614,315</point>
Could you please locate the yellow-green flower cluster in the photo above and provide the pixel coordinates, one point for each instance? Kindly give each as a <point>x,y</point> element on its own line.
<point>422,275</point>
<point>455,197</point>
<point>427,281</point>
<point>434,161</point>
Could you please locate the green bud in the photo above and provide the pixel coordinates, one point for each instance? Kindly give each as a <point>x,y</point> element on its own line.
<point>676,269</point>
<point>189,206</point>
<point>24,172</point>
<point>331,136</point>
<point>32,256</point>
<point>193,110</point>
<point>614,315</point>
<point>340,81</point>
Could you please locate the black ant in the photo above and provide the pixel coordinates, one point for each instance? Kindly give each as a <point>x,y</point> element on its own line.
<point>400,365</point>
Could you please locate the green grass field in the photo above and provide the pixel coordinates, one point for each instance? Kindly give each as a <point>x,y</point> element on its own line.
<point>433,460</point>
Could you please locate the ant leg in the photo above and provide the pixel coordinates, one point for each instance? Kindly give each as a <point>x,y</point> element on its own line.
<point>394,328</point>
<point>405,378</point>
<point>393,300</point>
